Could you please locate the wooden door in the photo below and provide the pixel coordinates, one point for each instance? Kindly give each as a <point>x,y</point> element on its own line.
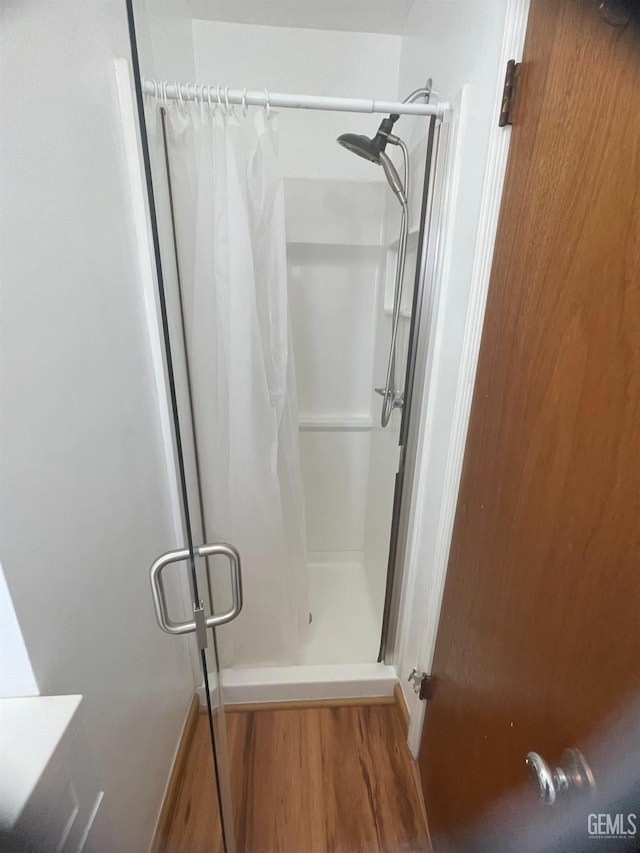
<point>539,635</point>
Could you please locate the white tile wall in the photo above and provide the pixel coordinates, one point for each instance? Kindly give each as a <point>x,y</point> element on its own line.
<point>332,292</point>
<point>337,212</point>
<point>335,468</point>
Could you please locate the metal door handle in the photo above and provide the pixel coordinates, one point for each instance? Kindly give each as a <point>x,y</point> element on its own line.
<point>158,593</point>
<point>572,774</point>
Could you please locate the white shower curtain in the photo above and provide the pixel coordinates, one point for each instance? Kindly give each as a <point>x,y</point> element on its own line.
<point>229,205</point>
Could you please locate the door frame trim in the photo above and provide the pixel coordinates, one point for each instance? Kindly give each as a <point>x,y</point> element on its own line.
<point>426,561</point>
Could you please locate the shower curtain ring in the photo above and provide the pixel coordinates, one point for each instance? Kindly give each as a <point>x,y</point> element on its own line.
<point>218,94</point>
<point>163,89</point>
<point>268,104</point>
<point>226,101</point>
<point>179,93</point>
<point>209,97</point>
<point>244,102</point>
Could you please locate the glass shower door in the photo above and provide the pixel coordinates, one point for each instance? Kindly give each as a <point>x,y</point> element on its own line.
<point>192,571</point>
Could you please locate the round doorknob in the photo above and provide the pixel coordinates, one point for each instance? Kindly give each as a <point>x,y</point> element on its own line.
<point>573,773</point>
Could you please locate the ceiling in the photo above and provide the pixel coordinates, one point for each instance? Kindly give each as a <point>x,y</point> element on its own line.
<point>368,16</point>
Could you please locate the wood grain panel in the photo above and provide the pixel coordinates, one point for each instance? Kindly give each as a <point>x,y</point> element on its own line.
<point>539,632</point>
<point>306,781</point>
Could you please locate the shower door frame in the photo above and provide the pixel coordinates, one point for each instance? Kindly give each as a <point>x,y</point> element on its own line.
<point>417,371</point>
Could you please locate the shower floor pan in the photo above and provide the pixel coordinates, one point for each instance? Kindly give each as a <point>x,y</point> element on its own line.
<point>337,660</point>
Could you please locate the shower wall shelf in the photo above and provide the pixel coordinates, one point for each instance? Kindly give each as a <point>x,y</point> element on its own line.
<point>316,245</point>
<point>335,423</point>
<point>412,240</point>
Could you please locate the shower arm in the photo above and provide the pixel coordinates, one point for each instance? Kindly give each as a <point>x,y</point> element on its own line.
<point>391,397</point>
<point>423,92</point>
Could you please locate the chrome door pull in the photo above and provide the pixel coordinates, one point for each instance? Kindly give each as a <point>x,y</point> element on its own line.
<point>572,774</point>
<point>158,592</point>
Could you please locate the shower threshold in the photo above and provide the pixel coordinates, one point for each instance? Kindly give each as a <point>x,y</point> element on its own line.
<point>304,683</point>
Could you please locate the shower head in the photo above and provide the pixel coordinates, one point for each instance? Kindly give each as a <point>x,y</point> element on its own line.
<point>361,145</point>
<point>369,148</point>
<point>373,150</point>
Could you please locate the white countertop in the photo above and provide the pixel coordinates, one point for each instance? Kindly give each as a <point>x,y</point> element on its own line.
<point>31,729</point>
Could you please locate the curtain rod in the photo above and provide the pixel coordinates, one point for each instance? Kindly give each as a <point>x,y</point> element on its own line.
<point>252,98</point>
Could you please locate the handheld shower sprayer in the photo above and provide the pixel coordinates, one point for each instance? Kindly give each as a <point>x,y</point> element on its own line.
<point>373,149</point>
<point>393,178</point>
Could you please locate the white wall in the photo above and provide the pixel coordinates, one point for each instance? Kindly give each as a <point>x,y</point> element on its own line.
<point>371,16</point>
<point>83,488</point>
<point>460,43</point>
<point>322,62</point>
<point>165,40</point>
<point>16,674</point>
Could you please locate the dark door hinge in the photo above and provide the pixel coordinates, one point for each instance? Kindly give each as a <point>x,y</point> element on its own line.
<point>422,684</point>
<point>426,687</point>
<point>508,93</point>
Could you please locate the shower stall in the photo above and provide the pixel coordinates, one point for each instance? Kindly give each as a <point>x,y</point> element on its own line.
<point>295,284</point>
<point>295,294</point>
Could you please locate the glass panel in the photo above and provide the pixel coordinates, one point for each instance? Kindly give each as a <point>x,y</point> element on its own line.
<point>156,137</point>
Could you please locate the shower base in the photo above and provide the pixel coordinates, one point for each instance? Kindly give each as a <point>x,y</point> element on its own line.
<point>304,683</point>
<point>345,627</point>
<point>338,658</point>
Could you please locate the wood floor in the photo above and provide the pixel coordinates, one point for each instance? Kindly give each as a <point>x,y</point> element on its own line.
<point>308,780</point>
